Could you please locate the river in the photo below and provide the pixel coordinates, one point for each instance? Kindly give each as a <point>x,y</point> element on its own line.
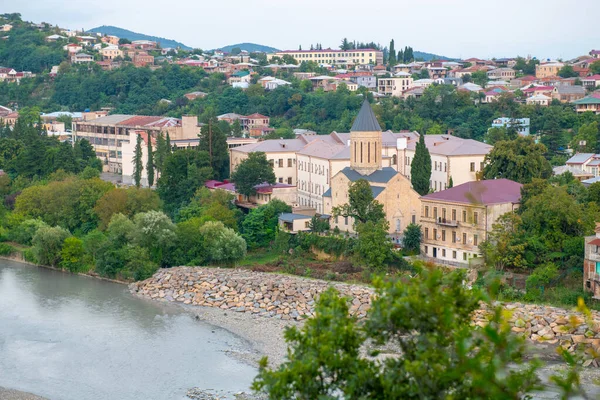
<point>69,337</point>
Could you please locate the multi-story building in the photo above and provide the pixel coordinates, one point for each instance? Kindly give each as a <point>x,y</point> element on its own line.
<point>520,124</point>
<point>142,59</point>
<point>591,264</point>
<point>254,124</point>
<point>111,52</point>
<point>108,134</point>
<point>588,103</point>
<point>504,74</point>
<point>394,86</point>
<point>455,221</point>
<point>548,70</point>
<point>335,57</point>
<point>568,93</point>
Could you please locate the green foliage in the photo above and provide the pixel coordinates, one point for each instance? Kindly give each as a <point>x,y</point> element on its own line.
<point>260,225</point>
<point>437,346</point>
<point>6,249</point>
<point>72,254</point>
<point>361,206</point>
<point>373,247</point>
<point>155,232</point>
<point>335,245</point>
<point>26,230</point>
<point>47,244</point>
<point>540,277</point>
<point>89,173</point>
<point>138,163</point>
<point>318,224</point>
<point>190,243</point>
<point>212,205</point>
<point>412,239</point>
<point>567,72</point>
<point>213,140</point>
<point>252,171</point>
<point>222,244</point>
<point>595,67</point>
<point>520,160</point>
<point>586,139</point>
<point>420,168</point>
<point>150,164</point>
<point>126,201</point>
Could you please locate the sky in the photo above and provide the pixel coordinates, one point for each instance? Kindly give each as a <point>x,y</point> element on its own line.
<point>452,28</point>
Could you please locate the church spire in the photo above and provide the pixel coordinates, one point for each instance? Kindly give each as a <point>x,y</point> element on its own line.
<point>365,141</point>
<point>366,121</point>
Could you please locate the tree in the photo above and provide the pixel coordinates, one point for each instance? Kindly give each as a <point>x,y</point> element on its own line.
<point>155,232</point>
<point>236,129</point>
<point>420,168</point>
<point>260,225</point>
<point>72,254</point>
<point>214,142</point>
<point>150,163</point>
<point>567,71</point>
<point>138,163</point>
<point>595,67</point>
<point>412,239</point>
<point>47,244</point>
<point>392,56</point>
<point>318,224</point>
<point>587,139</point>
<point>345,44</point>
<point>450,182</point>
<point>373,247</point>
<point>480,78</point>
<point>361,206</point>
<point>438,347</point>
<point>252,171</point>
<point>520,160</point>
<point>222,244</point>
<point>161,152</point>
<point>400,56</point>
<point>126,201</point>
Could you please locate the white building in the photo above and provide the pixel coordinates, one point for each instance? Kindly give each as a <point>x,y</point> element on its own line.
<point>520,124</point>
<point>394,86</point>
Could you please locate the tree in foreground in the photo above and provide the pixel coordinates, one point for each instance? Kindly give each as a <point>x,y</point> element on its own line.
<point>361,206</point>
<point>252,171</point>
<point>420,168</point>
<point>441,355</point>
<point>138,163</point>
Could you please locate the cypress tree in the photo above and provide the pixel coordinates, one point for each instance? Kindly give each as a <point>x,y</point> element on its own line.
<point>450,183</point>
<point>420,168</point>
<point>392,56</point>
<point>150,164</point>
<point>138,164</point>
<point>169,144</point>
<point>400,56</point>
<point>161,152</point>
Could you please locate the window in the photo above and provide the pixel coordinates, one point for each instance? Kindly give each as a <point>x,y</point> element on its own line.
<point>443,213</point>
<point>475,218</point>
<point>464,215</point>
<point>464,238</point>
<point>454,254</point>
<point>443,252</point>
<point>475,239</point>
<point>435,235</point>
<point>443,235</point>
<point>414,219</point>
<point>426,212</point>
<point>453,215</point>
<point>289,181</point>
<point>280,180</point>
<point>426,248</point>
<point>345,220</point>
<point>453,237</point>
<point>281,163</point>
<point>289,162</point>
<point>472,167</point>
<point>481,166</point>
<point>426,233</point>
<point>465,256</point>
<point>445,167</point>
<point>434,212</point>
<point>307,224</point>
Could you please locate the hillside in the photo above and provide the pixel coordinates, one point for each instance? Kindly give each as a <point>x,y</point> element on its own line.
<point>127,34</point>
<point>250,47</point>
<point>430,56</point>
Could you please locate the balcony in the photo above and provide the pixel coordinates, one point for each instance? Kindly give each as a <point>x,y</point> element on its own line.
<point>593,256</point>
<point>447,222</point>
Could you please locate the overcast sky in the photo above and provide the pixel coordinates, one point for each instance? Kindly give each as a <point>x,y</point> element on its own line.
<point>453,28</point>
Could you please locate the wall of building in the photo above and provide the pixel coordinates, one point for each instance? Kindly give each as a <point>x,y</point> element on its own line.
<point>286,173</point>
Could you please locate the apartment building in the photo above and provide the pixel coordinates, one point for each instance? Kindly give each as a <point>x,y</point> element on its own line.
<point>588,103</point>
<point>456,221</point>
<point>505,74</point>
<point>335,57</point>
<point>394,86</point>
<point>108,134</point>
<point>548,70</point>
<point>111,52</point>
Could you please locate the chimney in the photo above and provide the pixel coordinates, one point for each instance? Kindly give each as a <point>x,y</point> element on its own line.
<point>401,143</point>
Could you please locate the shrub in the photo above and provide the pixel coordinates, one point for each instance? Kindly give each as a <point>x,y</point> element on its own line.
<point>539,279</point>
<point>26,230</point>
<point>6,249</point>
<point>72,255</point>
<point>48,243</point>
<point>222,244</point>
<point>139,264</point>
<point>412,239</point>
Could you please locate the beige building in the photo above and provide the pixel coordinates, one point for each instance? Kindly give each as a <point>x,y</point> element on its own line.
<point>394,86</point>
<point>335,57</point>
<point>400,202</point>
<point>456,221</point>
<point>548,70</point>
<point>591,264</point>
<point>505,74</point>
<point>111,52</point>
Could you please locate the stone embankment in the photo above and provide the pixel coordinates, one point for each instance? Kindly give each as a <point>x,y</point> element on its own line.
<point>293,298</point>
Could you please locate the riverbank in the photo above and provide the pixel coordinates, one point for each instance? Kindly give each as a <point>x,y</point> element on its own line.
<point>11,394</point>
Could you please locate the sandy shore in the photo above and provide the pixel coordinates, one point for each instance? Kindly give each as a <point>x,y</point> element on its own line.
<point>10,394</point>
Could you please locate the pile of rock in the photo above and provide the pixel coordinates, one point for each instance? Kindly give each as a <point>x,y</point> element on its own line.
<point>293,298</point>
<point>270,295</point>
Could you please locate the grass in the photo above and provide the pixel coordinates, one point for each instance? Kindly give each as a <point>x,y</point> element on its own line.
<point>258,257</point>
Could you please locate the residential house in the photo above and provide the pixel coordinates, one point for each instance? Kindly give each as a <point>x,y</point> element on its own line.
<point>548,69</point>
<point>327,83</point>
<point>111,52</point>
<point>456,221</point>
<point>194,95</point>
<point>422,83</point>
<point>109,39</point>
<point>539,100</point>
<point>394,86</point>
<point>588,103</point>
<point>501,73</point>
<point>142,59</point>
<point>568,93</point>
<point>537,90</point>
<point>81,58</point>
<point>264,193</point>
<point>55,38</point>
<point>401,68</point>
<point>144,44</point>
<point>240,77</point>
<point>72,48</point>
<point>415,92</point>
<point>591,264</point>
<point>523,81</point>
<point>587,163</point>
<point>591,82</point>
<point>334,56</point>
<point>303,75</point>
<point>595,53</point>
<point>6,27</point>
<point>520,124</point>
<point>294,223</point>
<point>275,83</point>
<point>4,111</point>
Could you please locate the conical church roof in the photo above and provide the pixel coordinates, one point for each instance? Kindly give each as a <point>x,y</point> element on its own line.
<point>365,120</point>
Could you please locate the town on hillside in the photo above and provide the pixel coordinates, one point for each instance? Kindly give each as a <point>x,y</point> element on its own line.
<point>352,163</point>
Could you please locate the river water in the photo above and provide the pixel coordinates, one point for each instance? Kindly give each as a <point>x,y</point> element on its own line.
<point>68,337</point>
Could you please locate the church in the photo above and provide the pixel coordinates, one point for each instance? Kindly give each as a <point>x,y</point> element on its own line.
<point>402,205</point>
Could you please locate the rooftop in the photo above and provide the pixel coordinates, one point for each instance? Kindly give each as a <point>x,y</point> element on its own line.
<point>365,120</point>
<point>495,191</point>
<point>383,175</point>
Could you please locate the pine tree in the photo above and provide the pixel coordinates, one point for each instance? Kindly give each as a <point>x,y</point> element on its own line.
<point>420,168</point>
<point>450,183</point>
<point>150,163</point>
<point>392,56</point>
<point>169,149</point>
<point>300,48</point>
<point>161,152</point>
<point>401,56</point>
<point>214,142</point>
<point>138,163</point>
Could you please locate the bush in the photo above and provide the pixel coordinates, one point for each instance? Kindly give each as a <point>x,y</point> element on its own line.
<point>6,249</point>
<point>26,230</point>
<point>48,243</point>
<point>72,255</point>
<point>222,244</point>
<point>539,279</point>
<point>139,265</point>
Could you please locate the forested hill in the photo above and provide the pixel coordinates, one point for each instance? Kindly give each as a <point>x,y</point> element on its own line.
<point>421,55</point>
<point>249,47</point>
<point>127,34</point>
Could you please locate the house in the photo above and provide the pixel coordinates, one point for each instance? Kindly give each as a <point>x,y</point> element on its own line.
<point>588,103</point>
<point>55,38</point>
<point>194,95</point>
<point>501,73</point>
<point>394,86</point>
<point>588,163</point>
<point>72,48</point>
<point>491,96</point>
<point>535,90</point>
<point>109,39</point>
<point>470,87</point>
<point>111,52</point>
<point>520,124</point>
<point>324,82</point>
<point>577,173</point>
<point>275,83</point>
<point>334,56</point>
<point>6,27</point>
<point>423,83</point>
<point>591,82</point>
<point>390,188</point>
<point>142,59</point>
<point>296,222</point>
<point>4,111</point>
<point>240,77</point>
<point>303,75</point>
<point>568,93</point>
<point>591,264</point>
<point>254,123</point>
<point>523,81</point>
<point>539,100</point>
<point>415,92</point>
<point>455,221</point>
<point>144,44</point>
<point>264,193</point>
<point>548,69</point>
<point>595,53</point>
<point>81,58</point>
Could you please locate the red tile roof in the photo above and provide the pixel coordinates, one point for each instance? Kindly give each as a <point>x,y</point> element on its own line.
<point>595,242</point>
<point>256,116</point>
<point>495,191</point>
<point>327,51</point>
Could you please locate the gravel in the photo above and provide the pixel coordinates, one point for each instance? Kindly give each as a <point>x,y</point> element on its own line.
<point>11,394</point>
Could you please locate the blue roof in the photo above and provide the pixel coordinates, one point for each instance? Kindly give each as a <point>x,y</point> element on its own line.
<point>289,217</point>
<point>376,190</point>
<point>383,175</point>
<point>327,193</point>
